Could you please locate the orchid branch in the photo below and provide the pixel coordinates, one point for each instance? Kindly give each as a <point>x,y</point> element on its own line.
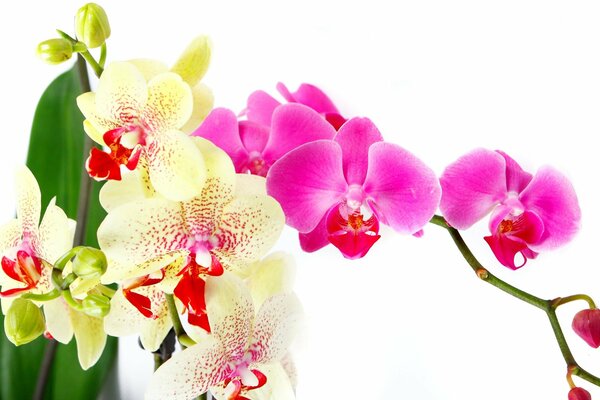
<point>548,306</point>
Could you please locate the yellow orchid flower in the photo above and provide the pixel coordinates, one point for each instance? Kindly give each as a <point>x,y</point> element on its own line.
<point>140,120</point>
<point>231,224</point>
<point>241,356</point>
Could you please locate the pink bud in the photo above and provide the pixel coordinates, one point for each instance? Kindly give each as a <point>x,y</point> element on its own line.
<point>587,325</point>
<point>578,393</point>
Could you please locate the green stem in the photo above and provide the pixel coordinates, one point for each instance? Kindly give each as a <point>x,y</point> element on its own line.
<point>93,63</point>
<point>158,361</point>
<point>51,295</point>
<point>177,326</point>
<point>548,306</point>
<point>564,300</point>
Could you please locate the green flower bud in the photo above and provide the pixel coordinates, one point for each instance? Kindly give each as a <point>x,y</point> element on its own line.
<point>89,263</point>
<point>55,51</point>
<point>23,322</point>
<point>91,25</point>
<point>96,305</point>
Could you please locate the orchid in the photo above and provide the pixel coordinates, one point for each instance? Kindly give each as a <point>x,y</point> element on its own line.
<point>231,224</point>
<point>254,147</point>
<point>338,191</point>
<point>241,355</point>
<point>30,248</point>
<point>529,213</point>
<point>140,121</point>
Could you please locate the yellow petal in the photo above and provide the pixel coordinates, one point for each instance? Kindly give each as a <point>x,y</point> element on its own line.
<point>204,101</point>
<point>95,125</point>
<point>230,312</point>
<point>10,235</point>
<point>90,337</point>
<point>134,185</point>
<point>169,104</point>
<point>122,93</point>
<point>189,373</point>
<point>203,213</point>
<point>194,62</point>
<point>176,166</point>
<point>29,201</point>
<point>272,276</point>
<point>56,233</point>
<point>250,185</point>
<point>58,321</point>
<point>277,322</point>
<point>138,237</point>
<point>149,68</point>
<point>249,228</point>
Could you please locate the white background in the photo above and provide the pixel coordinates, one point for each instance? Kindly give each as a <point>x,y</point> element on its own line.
<point>410,320</point>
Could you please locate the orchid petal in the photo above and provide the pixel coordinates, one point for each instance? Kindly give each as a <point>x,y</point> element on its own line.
<point>55,233</point>
<point>169,104</point>
<point>551,196</point>
<point>307,182</point>
<point>293,125</point>
<point>121,93</point>
<point>10,235</point>
<point>149,68</point>
<point>95,125</point>
<point>276,324</point>
<point>142,232</point>
<point>317,238</point>
<point>254,135</point>
<point>230,312</point>
<point>203,100</point>
<point>29,201</point>
<point>190,373</point>
<point>58,322</point>
<point>221,128</point>
<point>472,186</point>
<point>134,185</point>
<point>194,61</point>
<point>176,166</point>
<point>516,178</point>
<point>260,107</point>
<point>90,337</point>
<point>355,138</point>
<point>250,185</point>
<point>271,276</point>
<point>310,96</point>
<point>278,385</point>
<point>250,226</point>
<point>404,191</point>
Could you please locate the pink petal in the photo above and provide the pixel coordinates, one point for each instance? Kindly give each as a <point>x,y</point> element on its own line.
<point>578,393</point>
<point>472,186</point>
<point>254,136</point>
<point>221,128</point>
<point>403,191</point>
<point>586,324</point>
<point>355,137</point>
<point>310,96</point>
<point>516,178</point>
<point>315,239</point>
<point>293,125</point>
<point>552,197</point>
<point>307,182</point>
<point>260,107</point>
<point>352,235</point>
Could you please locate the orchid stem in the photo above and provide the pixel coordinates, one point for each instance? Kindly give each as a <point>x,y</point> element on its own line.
<point>548,306</point>
<point>177,326</point>
<point>82,212</point>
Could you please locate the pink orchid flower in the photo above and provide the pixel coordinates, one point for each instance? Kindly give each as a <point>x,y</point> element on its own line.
<point>529,213</point>
<point>338,191</point>
<point>253,146</point>
<point>261,105</point>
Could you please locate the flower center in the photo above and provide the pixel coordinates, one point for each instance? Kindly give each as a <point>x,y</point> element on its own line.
<point>243,379</point>
<point>256,164</point>
<point>350,231</point>
<point>25,268</point>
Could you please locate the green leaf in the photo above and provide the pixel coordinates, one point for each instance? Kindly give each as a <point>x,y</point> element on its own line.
<point>56,159</point>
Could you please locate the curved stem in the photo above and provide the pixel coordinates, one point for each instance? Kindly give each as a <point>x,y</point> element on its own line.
<point>548,306</point>
<point>177,326</point>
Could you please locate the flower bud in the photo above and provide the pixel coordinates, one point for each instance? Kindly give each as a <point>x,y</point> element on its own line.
<point>578,393</point>
<point>96,305</point>
<point>91,25</point>
<point>89,263</point>
<point>586,324</point>
<point>55,51</point>
<point>24,322</point>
